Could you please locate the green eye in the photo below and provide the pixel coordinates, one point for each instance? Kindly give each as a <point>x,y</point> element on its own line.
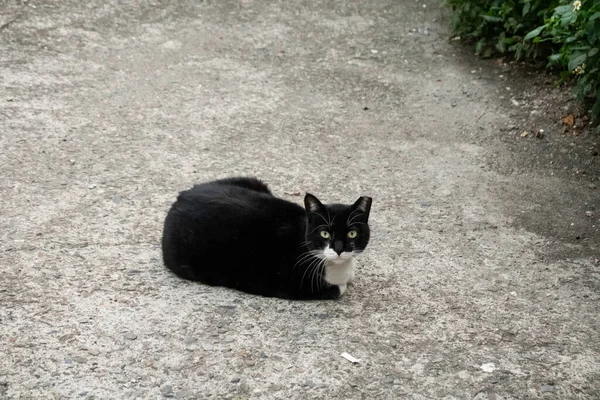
<point>352,234</point>
<point>325,234</point>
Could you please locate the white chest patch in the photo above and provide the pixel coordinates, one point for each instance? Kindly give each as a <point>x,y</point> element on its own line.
<point>339,273</point>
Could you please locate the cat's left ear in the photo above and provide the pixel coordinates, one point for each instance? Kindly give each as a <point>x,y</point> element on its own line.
<point>312,204</point>
<point>363,204</point>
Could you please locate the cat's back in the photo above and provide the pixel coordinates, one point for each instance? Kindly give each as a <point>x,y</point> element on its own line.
<point>223,197</point>
<point>234,203</point>
<point>228,223</point>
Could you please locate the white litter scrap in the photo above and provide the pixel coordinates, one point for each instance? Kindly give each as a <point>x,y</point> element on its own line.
<point>350,358</point>
<point>489,367</point>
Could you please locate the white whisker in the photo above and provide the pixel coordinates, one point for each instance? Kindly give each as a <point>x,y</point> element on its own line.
<point>322,225</point>
<point>322,217</point>
<point>350,216</point>
<point>353,218</point>
<point>329,217</point>
<point>315,274</point>
<point>305,257</point>
<point>316,260</point>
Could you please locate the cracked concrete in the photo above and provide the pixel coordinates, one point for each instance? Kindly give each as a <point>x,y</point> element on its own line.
<point>108,109</point>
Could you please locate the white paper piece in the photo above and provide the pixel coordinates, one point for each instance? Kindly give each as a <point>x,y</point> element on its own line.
<point>350,358</point>
<point>489,367</point>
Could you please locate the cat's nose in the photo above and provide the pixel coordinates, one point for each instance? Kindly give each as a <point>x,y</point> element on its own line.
<point>338,246</point>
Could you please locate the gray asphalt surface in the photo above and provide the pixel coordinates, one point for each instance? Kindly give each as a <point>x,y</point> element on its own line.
<point>481,280</point>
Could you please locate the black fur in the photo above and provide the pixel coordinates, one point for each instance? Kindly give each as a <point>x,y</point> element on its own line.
<point>233,232</point>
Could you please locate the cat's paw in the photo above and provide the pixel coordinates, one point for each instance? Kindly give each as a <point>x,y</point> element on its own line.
<point>342,289</point>
<point>351,278</point>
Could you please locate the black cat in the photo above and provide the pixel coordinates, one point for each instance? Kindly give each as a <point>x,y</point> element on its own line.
<point>233,232</point>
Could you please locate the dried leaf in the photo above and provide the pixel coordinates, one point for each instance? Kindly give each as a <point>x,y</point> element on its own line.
<point>525,133</point>
<point>568,119</point>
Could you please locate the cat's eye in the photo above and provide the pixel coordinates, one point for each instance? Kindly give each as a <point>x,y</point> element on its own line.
<point>325,234</point>
<point>352,234</point>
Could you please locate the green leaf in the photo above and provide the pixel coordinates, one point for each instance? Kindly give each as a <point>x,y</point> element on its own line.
<point>595,15</point>
<point>535,32</point>
<point>568,18</point>
<point>591,30</point>
<point>561,10</point>
<point>554,57</point>
<point>526,8</point>
<point>564,76</point>
<point>579,48</point>
<point>576,60</point>
<point>479,46</point>
<point>490,18</point>
<point>593,52</point>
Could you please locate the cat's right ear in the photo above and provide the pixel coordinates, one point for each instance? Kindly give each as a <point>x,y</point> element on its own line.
<point>312,204</point>
<point>363,204</point>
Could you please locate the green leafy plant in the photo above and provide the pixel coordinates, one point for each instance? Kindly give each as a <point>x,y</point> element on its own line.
<point>565,35</point>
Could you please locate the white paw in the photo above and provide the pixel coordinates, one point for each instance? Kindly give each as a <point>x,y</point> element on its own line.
<point>342,289</point>
<point>351,277</point>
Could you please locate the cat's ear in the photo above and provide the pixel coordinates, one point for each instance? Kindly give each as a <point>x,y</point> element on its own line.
<point>312,204</point>
<point>363,204</point>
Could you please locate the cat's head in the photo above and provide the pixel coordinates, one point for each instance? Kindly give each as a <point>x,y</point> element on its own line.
<point>340,231</point>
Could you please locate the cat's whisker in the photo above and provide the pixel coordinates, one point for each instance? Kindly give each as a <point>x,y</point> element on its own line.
<point>312,276</point>
<point>316,270</point>
<point>304,256</point>
<point>320,226</point>
<point>352,219</point>
<point>322,217</point>
<point>300,262</point>
<point>350,216</point>
<point>356,223</point>
<point>321,272</point>
<point>307,270</point>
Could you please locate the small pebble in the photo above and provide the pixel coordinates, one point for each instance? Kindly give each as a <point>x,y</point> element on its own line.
<point>167,390</point>
<point>547,389</point>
